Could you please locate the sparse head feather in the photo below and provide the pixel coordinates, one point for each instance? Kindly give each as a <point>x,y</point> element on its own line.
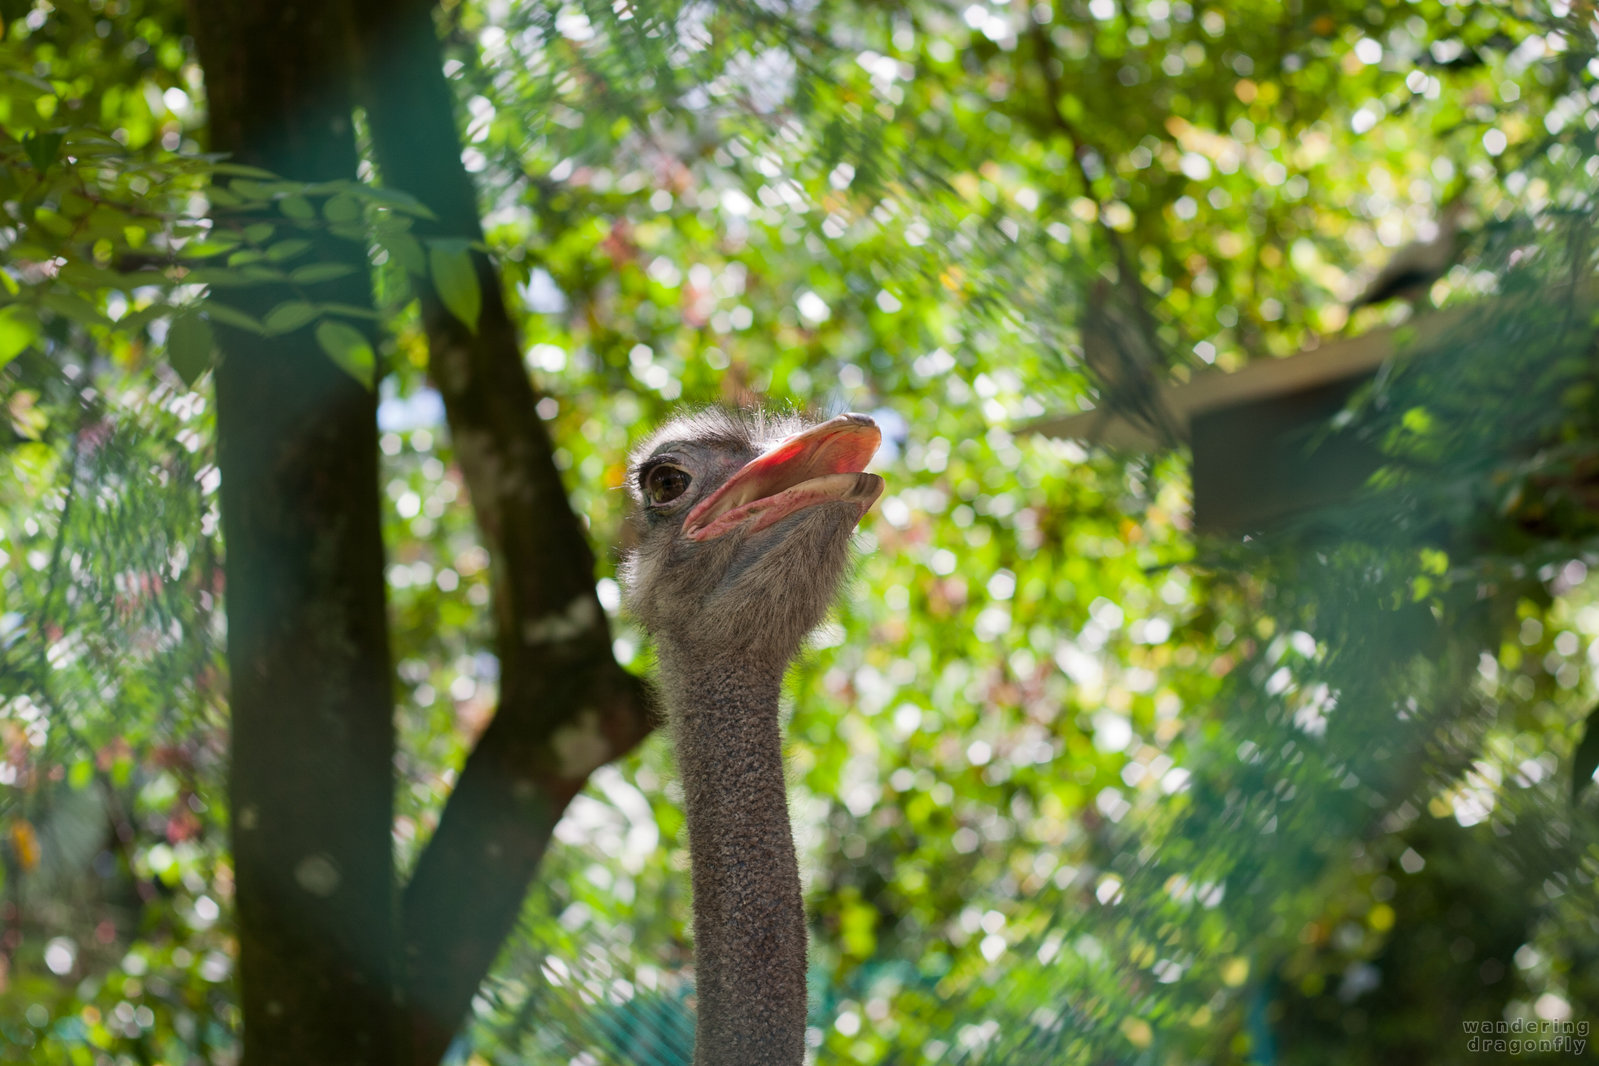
<point>735,432</point>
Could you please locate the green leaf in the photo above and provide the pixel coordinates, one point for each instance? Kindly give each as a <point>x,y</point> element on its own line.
<point>81,142</point>
<point>215,245</point>
<point>42,148</point>
<point>315,272</point>
<point>329,188</point>
<point>256,275</point>
<point>298,208</point>
<point>217,277</point>
<point>243,171</point>
<point>75,205</point>
<point>137,320</point>
<point>1585,760</point>
<point>251,190</point>
<point>232,316</point>
<point>259,232</point>
<point>456,282</point>
<point>86,277</point>
<point>342,208</point>
<point>285,250</point>
<point>351,310</point>
<point>407,251</point>
<point>400,201</point>
<point>190,344</point>
<point>53,222</point>
<point>18,328</point>
<point>289,316</point>
<point>349,348</point>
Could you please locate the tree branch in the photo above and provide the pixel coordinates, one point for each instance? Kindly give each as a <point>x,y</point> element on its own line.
<point>566,707</point>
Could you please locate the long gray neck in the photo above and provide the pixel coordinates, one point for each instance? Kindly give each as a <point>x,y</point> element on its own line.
<point>749,914</point>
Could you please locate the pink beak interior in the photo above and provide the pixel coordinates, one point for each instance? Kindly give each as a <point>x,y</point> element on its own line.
<point>824,464</point>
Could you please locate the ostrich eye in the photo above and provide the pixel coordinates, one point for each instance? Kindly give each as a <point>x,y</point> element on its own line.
<point>663,484</point>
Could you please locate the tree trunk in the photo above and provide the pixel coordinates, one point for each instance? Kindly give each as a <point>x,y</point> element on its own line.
<point>312,726</point>
<point>332,971</point>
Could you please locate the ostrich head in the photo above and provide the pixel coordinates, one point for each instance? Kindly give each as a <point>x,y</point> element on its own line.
<point>743,528</point>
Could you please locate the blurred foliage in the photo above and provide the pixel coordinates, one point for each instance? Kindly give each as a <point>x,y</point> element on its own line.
<point>1069,785</point>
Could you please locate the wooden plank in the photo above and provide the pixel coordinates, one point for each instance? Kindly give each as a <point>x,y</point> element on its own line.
<point>1261,379</point>
<point>1259,460</point>
<point>1262,446</point>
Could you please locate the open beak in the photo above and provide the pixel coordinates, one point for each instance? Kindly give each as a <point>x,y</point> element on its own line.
<point>824,464</point>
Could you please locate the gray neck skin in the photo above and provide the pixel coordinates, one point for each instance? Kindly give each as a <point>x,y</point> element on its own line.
<point>749,914</point>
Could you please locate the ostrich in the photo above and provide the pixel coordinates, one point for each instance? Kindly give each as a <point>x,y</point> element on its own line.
<point>744,525</point>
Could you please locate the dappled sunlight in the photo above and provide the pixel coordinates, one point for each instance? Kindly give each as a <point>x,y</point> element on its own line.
<point>1077,772</point>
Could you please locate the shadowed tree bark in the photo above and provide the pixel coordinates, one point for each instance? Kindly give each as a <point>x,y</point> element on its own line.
<point>331,970</point>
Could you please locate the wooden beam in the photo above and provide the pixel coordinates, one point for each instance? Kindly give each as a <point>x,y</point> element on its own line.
<point>1261,444</point>
<point>1260,380</point>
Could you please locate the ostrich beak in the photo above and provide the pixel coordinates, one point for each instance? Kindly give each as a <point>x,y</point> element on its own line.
<point>824,464</point>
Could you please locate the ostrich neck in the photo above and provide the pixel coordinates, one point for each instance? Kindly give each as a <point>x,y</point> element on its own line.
<point>749,914</point>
